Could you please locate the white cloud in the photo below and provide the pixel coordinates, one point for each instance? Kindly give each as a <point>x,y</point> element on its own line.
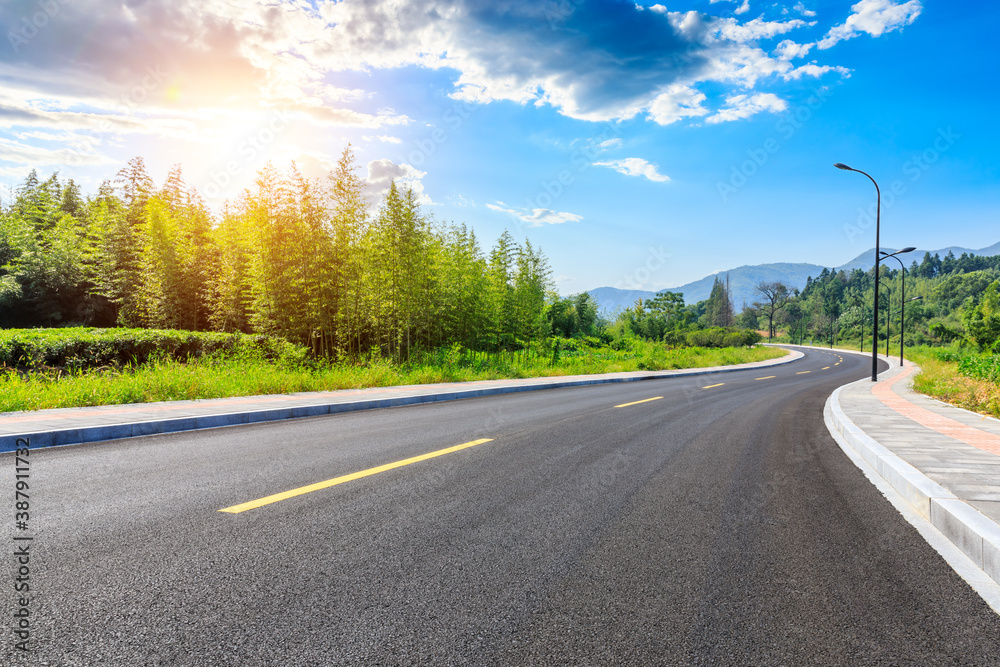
<point>758,28</point>
<point>739,107</point>
<point>801,9</point>
<point>742,9</point>
<point>536,217</point>
<point>386,139</point>
<point>38,156</point>
<point>382,172</point>
<point>610,143</point>
<point>816,71</point>
<point>874,17</point>
<point>595,61</point>
<point>197,70</point>
<point>789,50</point>
<point>634,166</point>
<point>675,103</point>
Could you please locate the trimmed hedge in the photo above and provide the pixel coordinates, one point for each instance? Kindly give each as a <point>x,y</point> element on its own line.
<point>85,347</point>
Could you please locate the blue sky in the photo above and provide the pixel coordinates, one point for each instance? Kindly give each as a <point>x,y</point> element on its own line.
<point>640,145</point>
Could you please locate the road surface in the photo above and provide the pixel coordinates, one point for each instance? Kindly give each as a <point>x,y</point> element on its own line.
<point>708,520</point>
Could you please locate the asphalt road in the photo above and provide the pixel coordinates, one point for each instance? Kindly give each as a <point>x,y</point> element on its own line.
<point>711,526</point>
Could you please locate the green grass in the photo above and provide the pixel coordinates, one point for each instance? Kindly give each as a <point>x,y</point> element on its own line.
<point>941,378</point>
<point>168,379</point>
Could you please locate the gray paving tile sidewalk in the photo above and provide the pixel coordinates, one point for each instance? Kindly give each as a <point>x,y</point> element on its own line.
<point>91,424</point>
<point>969,472</point>
<point>943,461</point>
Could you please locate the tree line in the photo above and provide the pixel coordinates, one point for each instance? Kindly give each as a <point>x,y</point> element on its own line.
<point>314,261</point>
<point>947,300</point>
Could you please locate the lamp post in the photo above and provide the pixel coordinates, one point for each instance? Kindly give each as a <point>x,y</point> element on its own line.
<point>902,327</point>
<point>878,224</point>
<point>902,296</point>
<point>887,308</point>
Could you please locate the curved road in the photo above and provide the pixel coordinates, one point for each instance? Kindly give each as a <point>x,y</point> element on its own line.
<point>716,524</point>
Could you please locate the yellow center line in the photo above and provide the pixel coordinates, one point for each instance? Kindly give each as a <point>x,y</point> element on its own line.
<point>803,372</point>
<point>714,385</point>
<point>825,368</point>
<point>767,377</point>
<point>645,400</point>
<point>267,500</point>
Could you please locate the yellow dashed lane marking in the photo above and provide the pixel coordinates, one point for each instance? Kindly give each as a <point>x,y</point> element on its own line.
<point>825,368</point>
<point>714,385</point>
<point>267,500</point>
<point>767,377</point>
<point>646,400</point>
<point>803,372</point>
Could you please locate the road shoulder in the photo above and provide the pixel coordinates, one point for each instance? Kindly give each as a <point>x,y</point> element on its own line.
<point>71,426</point>
<point>938,463</point>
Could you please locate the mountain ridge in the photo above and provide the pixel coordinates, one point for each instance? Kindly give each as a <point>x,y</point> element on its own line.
<point>743,279</point>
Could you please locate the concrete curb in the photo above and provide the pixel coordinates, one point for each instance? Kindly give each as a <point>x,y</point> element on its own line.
<point>77,436</point>
<point>966,527</point>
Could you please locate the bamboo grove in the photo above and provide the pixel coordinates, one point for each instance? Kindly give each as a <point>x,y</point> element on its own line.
<point>316,262</point>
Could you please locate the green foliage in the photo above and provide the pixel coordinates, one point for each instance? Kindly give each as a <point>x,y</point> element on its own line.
<point>719,306</point>
<point>86,348</point>
<point>960,377</point>
<point>248,372</point>
<point>313,262</point>
<point>953,305</point>
<point>983,367</point>
<point>983,321</point>
<point>723,337</point>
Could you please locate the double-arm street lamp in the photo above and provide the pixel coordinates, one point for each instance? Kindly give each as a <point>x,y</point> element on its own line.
<point>878,222</point>
<point>902,298</point>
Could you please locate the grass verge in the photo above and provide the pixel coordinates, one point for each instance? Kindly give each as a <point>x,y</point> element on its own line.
<point>168,379</point>
<point>939,377</point>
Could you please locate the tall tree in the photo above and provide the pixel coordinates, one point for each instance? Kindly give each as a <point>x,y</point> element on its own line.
<point>774,297</point>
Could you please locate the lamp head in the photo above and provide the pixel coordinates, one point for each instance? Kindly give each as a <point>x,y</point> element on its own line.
<point>908,249</point>
<point>841,165</point>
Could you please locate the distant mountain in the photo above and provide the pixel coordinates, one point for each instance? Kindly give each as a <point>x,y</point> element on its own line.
<point>610,299</point>
<point>743,279</point>
<point>865,259</point>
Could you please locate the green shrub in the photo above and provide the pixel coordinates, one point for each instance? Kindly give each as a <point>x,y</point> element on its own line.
<point>80,348</point>
<point>723,337</point>
<point>985,367</point>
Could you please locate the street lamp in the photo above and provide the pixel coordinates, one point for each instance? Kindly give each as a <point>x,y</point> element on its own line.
<point>902,326</point>
<point>887,308</point>
<point>902,297</point>
<point>878,215</point>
